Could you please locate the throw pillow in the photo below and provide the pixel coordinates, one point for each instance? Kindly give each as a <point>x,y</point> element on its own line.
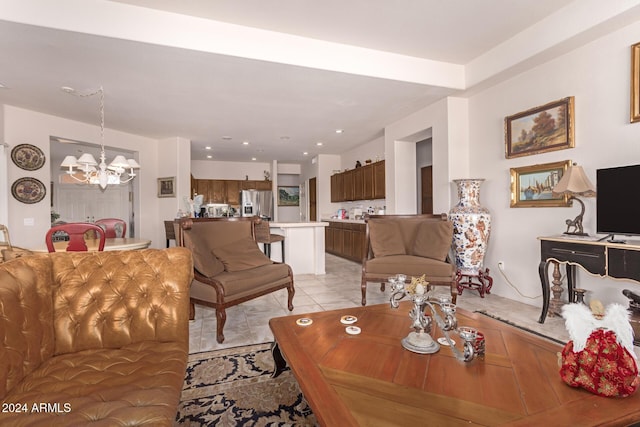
<point>433,240</point>
<point>9,254</point>
<point>242,254</point>
<point>385,238</point>
<point>203,261</point>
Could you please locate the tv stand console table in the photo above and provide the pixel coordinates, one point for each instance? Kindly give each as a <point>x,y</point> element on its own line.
<point>601,258</point>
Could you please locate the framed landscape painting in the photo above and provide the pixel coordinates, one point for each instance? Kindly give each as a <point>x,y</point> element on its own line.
<point>288,196</point>
<point>531,186</point>
<point>635,83</point>
<point>167,187</point>
<point>540,129</point>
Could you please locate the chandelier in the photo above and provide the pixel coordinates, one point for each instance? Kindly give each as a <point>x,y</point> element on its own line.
<point>93,172</point>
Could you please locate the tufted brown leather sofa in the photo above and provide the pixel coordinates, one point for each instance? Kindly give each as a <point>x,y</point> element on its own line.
<point>94,338</point>
<point>412,245</point>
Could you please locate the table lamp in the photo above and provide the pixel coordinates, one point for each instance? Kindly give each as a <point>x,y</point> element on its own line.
<point>575,183</point>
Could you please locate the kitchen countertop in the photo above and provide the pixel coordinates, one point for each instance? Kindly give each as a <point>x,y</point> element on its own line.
<point>353,221</point>
<point>297,224</point>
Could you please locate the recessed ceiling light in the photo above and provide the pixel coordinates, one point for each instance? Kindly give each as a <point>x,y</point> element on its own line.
<point>319,144</point>
<point>207,148</point>
<point>253,159</point>
<point>209,157</point>
<point>2,86</point>
<point>67,89</point>
<point>339,130</point>
<point>305,153</point>
<point>245,142</point>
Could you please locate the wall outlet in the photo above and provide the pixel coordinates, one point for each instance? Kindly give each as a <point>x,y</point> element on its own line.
<point>501,265</point>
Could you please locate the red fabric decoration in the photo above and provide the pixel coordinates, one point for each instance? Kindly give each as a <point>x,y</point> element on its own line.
<point>604,367</point>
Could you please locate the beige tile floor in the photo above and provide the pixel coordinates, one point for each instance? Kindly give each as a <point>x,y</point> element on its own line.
<point>247,323</point>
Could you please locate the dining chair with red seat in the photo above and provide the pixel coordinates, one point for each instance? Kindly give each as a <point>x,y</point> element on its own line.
<point>114,227</point>
<point>76,232</point>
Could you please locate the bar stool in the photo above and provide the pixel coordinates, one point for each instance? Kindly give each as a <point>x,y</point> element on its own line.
<point>264,236</point>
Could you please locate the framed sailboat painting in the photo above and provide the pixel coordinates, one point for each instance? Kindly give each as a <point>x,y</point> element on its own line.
<point>531,186</point>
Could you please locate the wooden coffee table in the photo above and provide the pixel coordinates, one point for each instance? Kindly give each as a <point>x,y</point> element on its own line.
<point>371,380</point>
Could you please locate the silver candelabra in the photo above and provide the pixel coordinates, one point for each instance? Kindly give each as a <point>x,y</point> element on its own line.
<point>441,310</point>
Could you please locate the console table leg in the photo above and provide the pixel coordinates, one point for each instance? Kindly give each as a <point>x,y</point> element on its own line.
<point>544,281</point>
<point>556,302</point>
<point>278,359</point>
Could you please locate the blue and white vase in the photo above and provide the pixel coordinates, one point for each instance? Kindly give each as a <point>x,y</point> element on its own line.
<point>471,227</point>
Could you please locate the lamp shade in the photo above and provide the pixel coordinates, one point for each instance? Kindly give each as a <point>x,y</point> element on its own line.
<point>119,162</point>
<point>87,159</point>
<point>69,161</point>
<point>575,182</point>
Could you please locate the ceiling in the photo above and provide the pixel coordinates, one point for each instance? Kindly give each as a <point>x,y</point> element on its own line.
<point>161,90</point>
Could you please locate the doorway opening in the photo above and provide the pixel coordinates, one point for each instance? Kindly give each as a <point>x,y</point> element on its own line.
<point>424,176</point>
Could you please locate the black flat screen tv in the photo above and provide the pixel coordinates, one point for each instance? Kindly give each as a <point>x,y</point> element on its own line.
<point>617,204</point>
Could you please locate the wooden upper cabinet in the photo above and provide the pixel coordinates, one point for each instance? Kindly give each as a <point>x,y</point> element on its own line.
<point>264,185</point>
<point>363,183</point>
<point>358,184</point>
<point>225,190</point>
<point>367,184</point>
<point>348,185</point>
<point>378,180</point>
<point>233,192</point>
<point>217,191</point>
<point>337,187</point>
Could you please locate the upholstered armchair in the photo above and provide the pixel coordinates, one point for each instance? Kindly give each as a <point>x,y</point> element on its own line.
<point>229,268</point>
<point>412,245</point>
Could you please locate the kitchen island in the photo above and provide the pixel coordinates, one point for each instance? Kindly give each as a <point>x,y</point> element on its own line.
<point>303,246</point>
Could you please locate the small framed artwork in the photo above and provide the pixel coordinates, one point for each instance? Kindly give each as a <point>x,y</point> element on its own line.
<point>288,196</point>
<point>532,186</point>
<point>167,187</point>
<point>541,129</point>
<point>635,83</point>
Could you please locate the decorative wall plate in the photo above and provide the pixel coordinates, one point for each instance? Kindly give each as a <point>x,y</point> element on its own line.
<point>28,190</point>
<point>27,157</point>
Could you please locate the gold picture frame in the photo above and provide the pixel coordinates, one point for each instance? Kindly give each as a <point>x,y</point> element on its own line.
<point>541,129</point>
<point>635,83</point>
<point>167,187</point>
<point>531,185</point>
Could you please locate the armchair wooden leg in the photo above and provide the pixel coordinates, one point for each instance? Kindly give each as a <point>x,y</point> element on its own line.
<point>363,288</point>
<point>221,316</point>
<point>290,293</point>
<point>192,311</point>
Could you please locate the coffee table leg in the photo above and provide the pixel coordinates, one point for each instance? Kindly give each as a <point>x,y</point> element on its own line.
<point>278,359</point>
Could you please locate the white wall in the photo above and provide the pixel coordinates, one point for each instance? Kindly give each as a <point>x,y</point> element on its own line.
<point>287,213</point>
<point>207,169</point>
<point>597,75</point>
<point>174,160</point>
<point>424,158</point>
<point>449,149</point>
<point>24,126</point>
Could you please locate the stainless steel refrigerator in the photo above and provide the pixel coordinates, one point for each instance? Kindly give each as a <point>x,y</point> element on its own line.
<point>256,203</point>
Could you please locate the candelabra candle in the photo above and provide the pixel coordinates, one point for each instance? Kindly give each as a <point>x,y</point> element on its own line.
<point>442,312</point>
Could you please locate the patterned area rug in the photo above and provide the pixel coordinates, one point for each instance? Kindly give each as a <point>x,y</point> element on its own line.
<point>233,387</point>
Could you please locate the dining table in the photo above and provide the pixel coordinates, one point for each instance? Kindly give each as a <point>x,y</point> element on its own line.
<point>110,244</point>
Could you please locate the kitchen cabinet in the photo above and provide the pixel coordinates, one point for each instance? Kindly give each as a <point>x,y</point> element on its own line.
<point>363,183</point>
<point>378,180</point>
<point>348,185</point>
<point>346,240</point>
<point>232,189</point>
<point>337,188</point>
<point>225,190</point>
